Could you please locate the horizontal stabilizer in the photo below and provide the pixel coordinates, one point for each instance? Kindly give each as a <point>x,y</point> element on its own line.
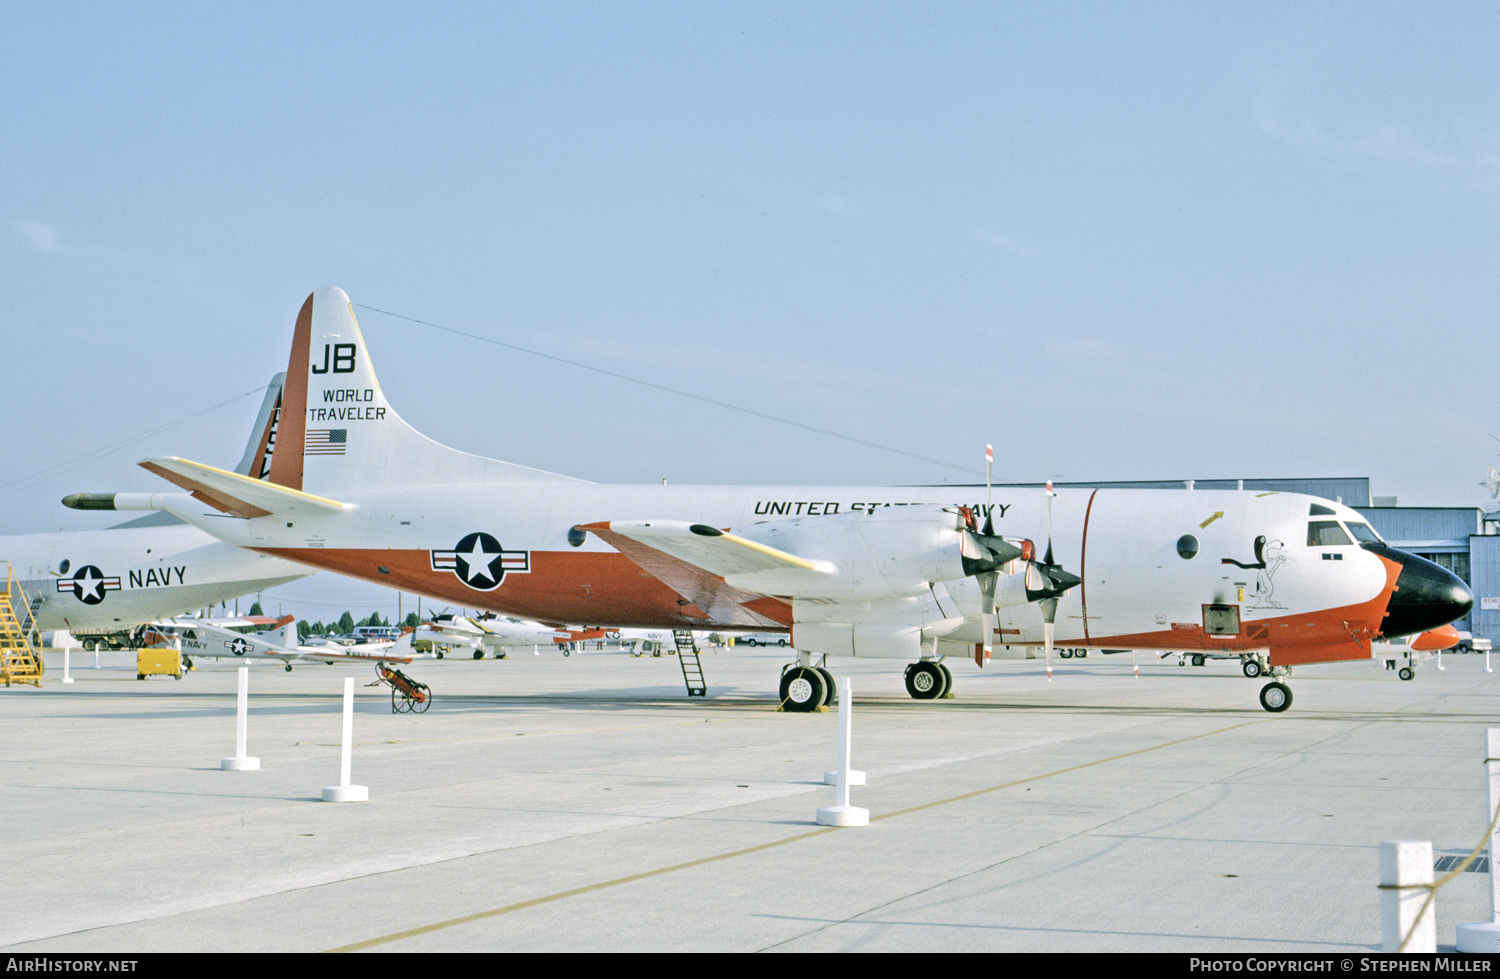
<point>239,496</point>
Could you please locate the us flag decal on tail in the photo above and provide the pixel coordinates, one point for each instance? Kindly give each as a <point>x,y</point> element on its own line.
<point>325,442</point>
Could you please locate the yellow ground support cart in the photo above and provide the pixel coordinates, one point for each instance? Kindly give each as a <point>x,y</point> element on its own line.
<point>20,662</point>
<point>157,661</point>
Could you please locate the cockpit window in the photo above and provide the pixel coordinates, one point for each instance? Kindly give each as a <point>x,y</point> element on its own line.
<point>1362,532</point>
<point>1326,533</point>
<point>1319,510</point>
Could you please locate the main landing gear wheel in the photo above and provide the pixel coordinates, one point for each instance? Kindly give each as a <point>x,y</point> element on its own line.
<point>479,654</point>
<point>803,690</point>
<point>1276,697</point>
<point>1197,659</point>
<point>1065,654</point>
<point>1252,668</point>
<point>1405,673</point>
<point>926,680</point>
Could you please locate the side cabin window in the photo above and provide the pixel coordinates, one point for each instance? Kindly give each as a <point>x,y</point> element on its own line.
<point>1319,510</point>
<point>1326,533</point>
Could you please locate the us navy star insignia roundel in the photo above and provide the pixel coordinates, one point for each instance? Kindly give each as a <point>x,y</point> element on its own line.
<point>239,647</point>
<point>480,562</point>
<point>88,585</point>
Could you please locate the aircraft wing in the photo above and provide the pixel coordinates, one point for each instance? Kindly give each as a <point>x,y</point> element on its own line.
<point>693,560</point>
<point>324,655</point>
<point>236,495</point>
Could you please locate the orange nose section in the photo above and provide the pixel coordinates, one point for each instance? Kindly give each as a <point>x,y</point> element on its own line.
<point>1434,639</point>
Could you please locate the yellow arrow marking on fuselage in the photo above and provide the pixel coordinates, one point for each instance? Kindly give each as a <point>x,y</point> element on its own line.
<point>1217,515</point>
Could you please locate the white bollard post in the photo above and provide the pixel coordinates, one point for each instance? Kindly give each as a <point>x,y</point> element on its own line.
<point>66,678</point>
<point>344,792</point>
<point>1135,662</point>
<point>845,756</point>
<point>1440,659</point>
<point>1405,866</point>
<point>241,762</point>
<point>841,813</point>
<point>1484,936</point>
<point>1487,662</point>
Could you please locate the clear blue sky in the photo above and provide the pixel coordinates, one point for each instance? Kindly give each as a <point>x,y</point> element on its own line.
<point>1118,241</point>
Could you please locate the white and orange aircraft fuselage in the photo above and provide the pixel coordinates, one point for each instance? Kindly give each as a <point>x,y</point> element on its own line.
<point>915,573</point>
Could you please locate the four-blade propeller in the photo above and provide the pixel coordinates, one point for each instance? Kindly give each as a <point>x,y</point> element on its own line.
<point>985,554</point>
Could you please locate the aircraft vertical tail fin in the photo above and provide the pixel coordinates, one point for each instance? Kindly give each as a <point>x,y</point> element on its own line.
<point>336,432</point>
<point>256,462</point>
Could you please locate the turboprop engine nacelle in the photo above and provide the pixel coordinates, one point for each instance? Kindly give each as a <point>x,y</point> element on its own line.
<point>895,553</point>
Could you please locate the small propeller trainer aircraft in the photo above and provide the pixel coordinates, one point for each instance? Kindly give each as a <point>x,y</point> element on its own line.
<point>1415,649</point>
<point>95,582</point>
<point>496,634</point>
<point>914,573</point>
<point>202,638</point>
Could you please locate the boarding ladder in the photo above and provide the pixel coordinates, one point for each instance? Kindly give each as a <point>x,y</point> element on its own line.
<point>687,658</point>
<point>19,660</point>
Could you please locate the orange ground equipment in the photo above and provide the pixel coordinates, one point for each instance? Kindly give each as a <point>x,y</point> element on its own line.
<point>407,695</point>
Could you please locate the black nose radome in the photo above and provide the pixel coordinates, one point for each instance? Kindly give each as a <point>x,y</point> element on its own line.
<point>1426,595</point>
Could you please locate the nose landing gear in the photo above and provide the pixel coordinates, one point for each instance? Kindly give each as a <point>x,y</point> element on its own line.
<point>1276,697</point>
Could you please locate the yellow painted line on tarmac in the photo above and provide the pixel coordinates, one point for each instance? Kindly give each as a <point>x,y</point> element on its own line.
<point>660,871</point>
<point>1061,771</point>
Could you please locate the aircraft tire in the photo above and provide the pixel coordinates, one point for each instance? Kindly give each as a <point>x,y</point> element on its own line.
<point>947,679</point>
<point>1197,659</point>
<point>802,690</point>
<point>479,654</point>
<point>1275,697</point>
<point>832,693</point>
<point>1405,673</point>
<point>1065,654</point>
<point>924,680</point>
<point>440,654</point>
<point>1252,668</point>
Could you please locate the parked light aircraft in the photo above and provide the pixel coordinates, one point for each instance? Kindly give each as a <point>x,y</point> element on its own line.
<point>1415,648</point>
<point>495,634</point>
<point>911,573</point>
<point>93,582</point>
<point>202,638</point>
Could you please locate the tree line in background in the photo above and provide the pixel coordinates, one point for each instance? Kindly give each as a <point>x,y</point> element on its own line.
<point>345,625</point>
